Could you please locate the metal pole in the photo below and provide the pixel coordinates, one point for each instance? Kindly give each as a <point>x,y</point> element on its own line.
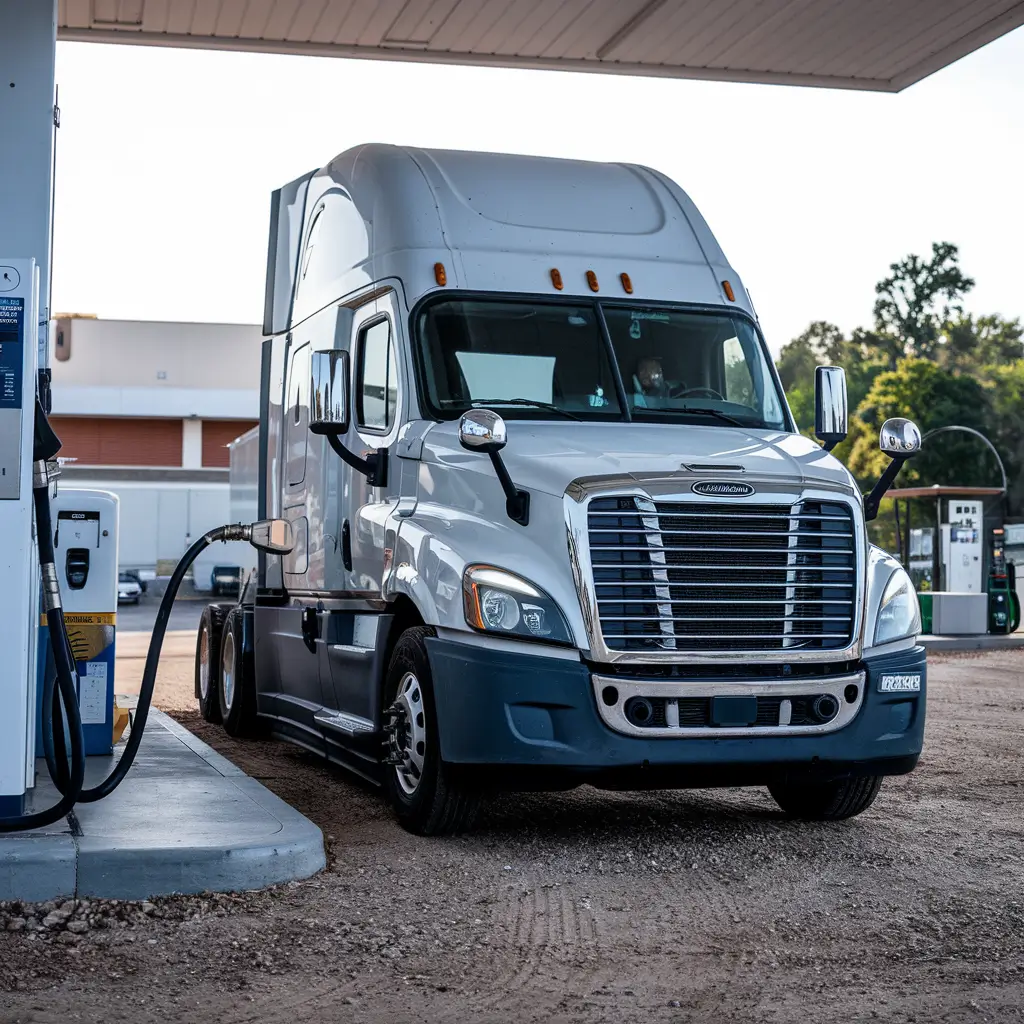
<point>981,437</point>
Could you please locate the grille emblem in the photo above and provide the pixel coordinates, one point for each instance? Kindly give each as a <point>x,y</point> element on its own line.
<point>724,488</point>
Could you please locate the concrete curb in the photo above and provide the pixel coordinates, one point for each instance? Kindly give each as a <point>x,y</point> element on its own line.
<point>185,820</point>
<point>984,642</point>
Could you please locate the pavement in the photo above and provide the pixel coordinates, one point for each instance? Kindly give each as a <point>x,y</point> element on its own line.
<point>185,820</point>
<point>984,642</point>
<point>139,618</point>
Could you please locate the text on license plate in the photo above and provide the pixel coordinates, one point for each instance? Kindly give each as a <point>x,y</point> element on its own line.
<point>892,683</point>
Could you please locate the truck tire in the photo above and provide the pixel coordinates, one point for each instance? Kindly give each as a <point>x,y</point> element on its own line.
<point>237,689</point>
<point>427,797</point>
<point>830,801</point>
<point>211,625</point>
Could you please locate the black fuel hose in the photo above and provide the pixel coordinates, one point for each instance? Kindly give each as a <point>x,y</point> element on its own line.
<point>116,777</point>
<point>65,667</point>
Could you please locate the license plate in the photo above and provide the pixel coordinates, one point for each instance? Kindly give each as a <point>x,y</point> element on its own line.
<point>908,683</point>
<point>733,711</point>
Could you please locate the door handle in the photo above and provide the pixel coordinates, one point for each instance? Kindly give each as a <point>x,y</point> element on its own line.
<point>310,627</point>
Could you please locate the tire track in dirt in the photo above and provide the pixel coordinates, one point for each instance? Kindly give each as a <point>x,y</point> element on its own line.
<point>544,938</point>
<point>285,1008</point>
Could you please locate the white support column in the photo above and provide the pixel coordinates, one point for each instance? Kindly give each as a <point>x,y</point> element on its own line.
<point>28,33</point>
<point>28,47</point>
<point>191,444</point>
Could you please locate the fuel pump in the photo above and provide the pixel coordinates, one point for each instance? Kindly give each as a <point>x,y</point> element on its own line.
<point>1003,603</point>
<point>85,540</point>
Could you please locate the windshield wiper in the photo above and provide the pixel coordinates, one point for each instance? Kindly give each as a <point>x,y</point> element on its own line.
<point>528,403</point>
<point>716,413</point>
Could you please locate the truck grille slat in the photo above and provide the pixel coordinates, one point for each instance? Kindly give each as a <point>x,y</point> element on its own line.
<point>795,564</point>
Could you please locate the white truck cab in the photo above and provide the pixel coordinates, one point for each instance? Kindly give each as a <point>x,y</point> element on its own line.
<point>550,518</point>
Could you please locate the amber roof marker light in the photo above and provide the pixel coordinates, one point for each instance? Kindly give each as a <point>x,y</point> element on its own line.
<point>440,276</point>
<point>592,280</point>
<point>729,293</point>
<point>556,278</point>
<point>627,284</point>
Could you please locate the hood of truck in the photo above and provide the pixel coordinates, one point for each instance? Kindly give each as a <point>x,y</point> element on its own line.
<point>550,456</point>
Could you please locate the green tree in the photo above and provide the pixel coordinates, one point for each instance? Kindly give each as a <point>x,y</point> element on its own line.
<point>916,300</point>
<point>932,397</point>
<point>820,345</point>
<point>824,344</point>
<point>972,344</point>
<point>1006,395</point>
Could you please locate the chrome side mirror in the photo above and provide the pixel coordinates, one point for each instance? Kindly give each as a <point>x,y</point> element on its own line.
<point>272,536</point>
<point>900,438</point>
<point>831,416</point>
<point>481,430</point>
<point>328,392</point>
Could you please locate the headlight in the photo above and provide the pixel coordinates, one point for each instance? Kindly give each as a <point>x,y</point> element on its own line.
<point>497,601</point>
<point>899,615</point>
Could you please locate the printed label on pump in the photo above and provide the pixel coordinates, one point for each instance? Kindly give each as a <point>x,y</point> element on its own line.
<point>12,315</point>
<point>92,693</point>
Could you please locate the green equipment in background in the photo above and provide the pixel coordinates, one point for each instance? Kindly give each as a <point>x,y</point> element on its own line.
<point>1003,603</point>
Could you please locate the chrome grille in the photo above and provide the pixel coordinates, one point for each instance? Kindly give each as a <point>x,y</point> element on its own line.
<point>711,576</point>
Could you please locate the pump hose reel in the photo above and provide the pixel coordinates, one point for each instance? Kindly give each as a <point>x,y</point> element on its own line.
<point>60,697</point>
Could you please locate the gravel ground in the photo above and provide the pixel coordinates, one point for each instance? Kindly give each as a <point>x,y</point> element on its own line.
<point>586,906</point>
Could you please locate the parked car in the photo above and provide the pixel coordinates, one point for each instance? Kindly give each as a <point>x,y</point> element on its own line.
<point>129,590</point>
<point>136,575</point>
<point>226,580</point>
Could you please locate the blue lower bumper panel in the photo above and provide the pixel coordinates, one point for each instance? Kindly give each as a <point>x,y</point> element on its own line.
<point>526,715</point>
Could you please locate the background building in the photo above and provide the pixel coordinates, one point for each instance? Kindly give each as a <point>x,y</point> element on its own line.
<point>146,410</point>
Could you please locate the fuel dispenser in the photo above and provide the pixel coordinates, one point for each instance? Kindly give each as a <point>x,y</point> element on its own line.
<point>1003,603</point>
<point>962,541</point>
<point>85,534</point>
<point>19,315</point>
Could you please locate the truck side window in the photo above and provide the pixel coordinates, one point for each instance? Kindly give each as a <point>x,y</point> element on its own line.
<point>377,379</point>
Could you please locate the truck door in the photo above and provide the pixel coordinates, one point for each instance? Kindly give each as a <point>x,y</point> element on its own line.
<point>378,407</point>
<point>296,623</point>
<point>353,640</point>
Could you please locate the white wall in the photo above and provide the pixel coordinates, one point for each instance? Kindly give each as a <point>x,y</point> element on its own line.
<point>143,368</point>
<point>159,521</point>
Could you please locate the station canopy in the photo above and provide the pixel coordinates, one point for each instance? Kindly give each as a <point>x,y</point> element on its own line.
<point>883,45</point>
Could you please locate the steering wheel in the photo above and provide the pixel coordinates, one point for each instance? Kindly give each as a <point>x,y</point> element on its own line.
<point>706,392</point>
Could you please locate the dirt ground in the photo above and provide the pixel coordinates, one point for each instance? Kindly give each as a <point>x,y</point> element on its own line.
<point>589,906</point>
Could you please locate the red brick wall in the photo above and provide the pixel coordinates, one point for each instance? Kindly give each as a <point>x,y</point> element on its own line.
<point>120,441</point>
<point>217,434</point>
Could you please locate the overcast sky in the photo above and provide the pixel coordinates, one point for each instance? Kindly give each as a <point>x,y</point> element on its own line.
<point>167,158</point>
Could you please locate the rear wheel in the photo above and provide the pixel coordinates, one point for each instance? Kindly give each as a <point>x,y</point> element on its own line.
<point>211,626</point>
<point>237,691</point>
<point>830,801</point>
<point>427,797</point>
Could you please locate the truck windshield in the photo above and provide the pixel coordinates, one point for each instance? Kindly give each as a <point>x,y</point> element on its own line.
<point>674,365</point>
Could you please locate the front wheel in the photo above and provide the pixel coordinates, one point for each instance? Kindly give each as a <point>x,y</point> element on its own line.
<point>829,801</point>
<point>427,797</point>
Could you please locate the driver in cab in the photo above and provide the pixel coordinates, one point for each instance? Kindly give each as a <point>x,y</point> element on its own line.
<point>650,388</point>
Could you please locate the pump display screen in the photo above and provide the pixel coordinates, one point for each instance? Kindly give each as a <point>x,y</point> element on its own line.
<point>12,313</point>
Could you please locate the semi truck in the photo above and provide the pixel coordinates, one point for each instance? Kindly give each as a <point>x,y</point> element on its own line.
<point>550,520</point>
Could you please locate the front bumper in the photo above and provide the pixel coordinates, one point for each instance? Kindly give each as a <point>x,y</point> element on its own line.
<point>521,717</point>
